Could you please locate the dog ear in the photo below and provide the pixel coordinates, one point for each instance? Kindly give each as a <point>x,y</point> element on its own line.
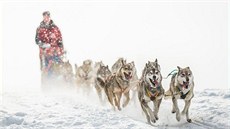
<point>123,62</point>
<point>107,66</point>
<point>100,65</point>
<point>156,60</point>
<point>149,63</point>
<point>159,68</point>
<point>90,62</point>
<point>188,68</point>
<point>133,63</point>
<point>179,68</point>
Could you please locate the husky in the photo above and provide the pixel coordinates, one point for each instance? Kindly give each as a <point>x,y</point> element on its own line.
<point>96,67</point>
<point>181,87</point>
<point>134,80</point>
<point>150,89</point>
<point>118,84</point>
<point>84,73</point>
<point>102,74</point>
<point>67,72</point>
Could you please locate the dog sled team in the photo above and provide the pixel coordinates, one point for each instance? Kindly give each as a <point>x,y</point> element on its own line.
<point>122,80</point>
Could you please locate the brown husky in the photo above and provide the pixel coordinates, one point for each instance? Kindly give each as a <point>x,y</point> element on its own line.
<point>118,84</point>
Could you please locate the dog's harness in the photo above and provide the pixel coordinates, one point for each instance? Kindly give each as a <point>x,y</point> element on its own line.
<point>183,96</point>
<point>152,92</point>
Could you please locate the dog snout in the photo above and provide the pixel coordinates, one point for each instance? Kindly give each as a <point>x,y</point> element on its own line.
<point>187,79</point>
<point>154,77</point>
<point>129,73</point>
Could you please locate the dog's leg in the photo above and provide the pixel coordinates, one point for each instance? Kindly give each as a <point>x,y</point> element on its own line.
<point>156,107</point>
<point>146,113</point>
<point>99,92</point>
<point>173,109</point>
<point>127,99</point>
<point>155,104</point>
<point>148,110</point>
<point>117,99</point>
<point>186,110</point>
<point>174,100</point>
<point>109,96</point>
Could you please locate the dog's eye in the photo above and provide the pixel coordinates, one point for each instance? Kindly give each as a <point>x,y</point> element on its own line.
<point>156,72</point>
<point>189,74</point>
<point>182,74</point>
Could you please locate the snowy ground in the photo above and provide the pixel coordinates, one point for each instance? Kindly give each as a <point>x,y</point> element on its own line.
<point>69,109</point>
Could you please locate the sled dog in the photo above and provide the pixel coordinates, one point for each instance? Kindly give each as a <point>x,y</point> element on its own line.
<point>150,89</point>
<point>102,74</point>
<point>181,87</point>
<point>134,80</point>
<point>118,84</point>
<point>84,73</point>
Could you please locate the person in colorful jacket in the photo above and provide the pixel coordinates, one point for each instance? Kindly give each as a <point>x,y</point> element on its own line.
<point>49,39</point>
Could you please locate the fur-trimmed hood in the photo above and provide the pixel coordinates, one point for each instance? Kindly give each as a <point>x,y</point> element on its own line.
<point>44,25</point>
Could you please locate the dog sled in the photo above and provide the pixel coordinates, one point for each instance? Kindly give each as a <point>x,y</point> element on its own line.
<point>55,69</point>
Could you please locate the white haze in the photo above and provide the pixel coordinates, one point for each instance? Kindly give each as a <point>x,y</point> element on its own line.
<point>176,33</point>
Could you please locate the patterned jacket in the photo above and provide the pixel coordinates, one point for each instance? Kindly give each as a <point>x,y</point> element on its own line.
<point>49,34</point>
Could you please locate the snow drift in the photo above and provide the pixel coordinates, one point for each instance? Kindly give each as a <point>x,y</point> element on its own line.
<point>70,108</point>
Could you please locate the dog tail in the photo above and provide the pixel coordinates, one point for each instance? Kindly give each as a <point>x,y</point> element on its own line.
<point>173,73</point>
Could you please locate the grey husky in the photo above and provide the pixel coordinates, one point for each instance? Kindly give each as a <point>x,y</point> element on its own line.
<point>181,87</point>
<point>84,75</point>
<point>103,73</point>
<point>150,89</point>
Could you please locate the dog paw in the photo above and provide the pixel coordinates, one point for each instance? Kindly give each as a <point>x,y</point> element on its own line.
<point>124,105</point>
<point>153,120</point>
<point>178,117</point>
<point>189,120</point>
<point>156,117</point>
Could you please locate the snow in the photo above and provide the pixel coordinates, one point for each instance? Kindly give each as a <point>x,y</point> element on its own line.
<point>71,109</point>
<point>180,33</point>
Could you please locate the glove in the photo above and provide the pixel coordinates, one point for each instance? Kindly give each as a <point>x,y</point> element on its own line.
<point>60,44</point>
<point>45,46</point>
<point>39,43</point>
